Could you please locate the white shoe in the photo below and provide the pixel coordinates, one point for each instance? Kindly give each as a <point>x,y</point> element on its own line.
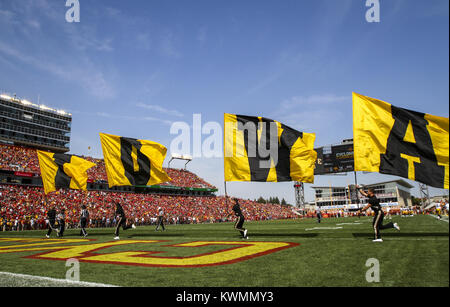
<point>47,236</point>
<point>116,238</point>
<point>378,240</point>
<point>245,233</point>
<point>133,226</point>
<point>396,226</point>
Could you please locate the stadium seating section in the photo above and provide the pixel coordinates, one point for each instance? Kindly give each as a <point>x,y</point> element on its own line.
<point>23,159</point>
<point>25,207</point>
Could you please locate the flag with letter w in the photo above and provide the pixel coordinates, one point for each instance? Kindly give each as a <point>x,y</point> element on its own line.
<point>63,171</point>
<point>132,162</point>
<point>264,150</point>
<point>401,142</point>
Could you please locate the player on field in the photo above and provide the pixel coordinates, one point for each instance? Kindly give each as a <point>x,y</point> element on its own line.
<point>374,204</point>
<point>160,219</point>
<point>61,217</point>
<point>122,221</point>
<point>319,215</point>
<point>236,210</point>
<point>83,220</point>
<point>51,219</point>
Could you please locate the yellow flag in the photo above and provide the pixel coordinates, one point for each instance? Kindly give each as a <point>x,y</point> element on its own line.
<point>401,142</point>
<point>132,162</point>
<point>264,150</point>
<point>63,171</point>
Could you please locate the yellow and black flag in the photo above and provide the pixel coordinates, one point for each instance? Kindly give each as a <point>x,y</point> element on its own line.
<point>131,162</point>
<point>401,142</point>
<point>264,150</point>
<point>63,171</point>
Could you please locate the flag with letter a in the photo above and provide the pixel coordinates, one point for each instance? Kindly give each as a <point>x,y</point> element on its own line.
<point>63,171</point>
<point>264,150</point>
<point>132,162</point>
<point>401,142</point>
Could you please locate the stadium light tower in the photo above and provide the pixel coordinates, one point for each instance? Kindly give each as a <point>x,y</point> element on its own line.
<point>299,195</point>
<point>181,157</point>
<point>424,194</point>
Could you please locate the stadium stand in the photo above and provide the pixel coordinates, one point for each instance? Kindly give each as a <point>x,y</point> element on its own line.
<point>23,159</point>
<point>24,208</point>
<point>18,158</point>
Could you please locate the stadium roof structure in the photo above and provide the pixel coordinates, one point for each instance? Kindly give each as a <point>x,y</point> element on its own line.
<point>27,103</point>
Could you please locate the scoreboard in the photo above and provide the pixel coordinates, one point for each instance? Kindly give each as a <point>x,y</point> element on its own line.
<point>335,159</point>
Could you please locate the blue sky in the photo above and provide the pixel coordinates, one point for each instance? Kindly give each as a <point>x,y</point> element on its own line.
<point>132,68</point>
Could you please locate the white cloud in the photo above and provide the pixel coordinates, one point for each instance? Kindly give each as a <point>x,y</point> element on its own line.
<point>6,16</point>
<point>144,41</point>
<point>82,72</point>
<point>325,115</point>
<point>316,100</point>
<point>134,118</point>
<point>160,109</point>
<point>167,46</point>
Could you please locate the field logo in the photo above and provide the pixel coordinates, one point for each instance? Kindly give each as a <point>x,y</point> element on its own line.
<point>73,13</point>
<point>373,274</point>
<point>227,253</point>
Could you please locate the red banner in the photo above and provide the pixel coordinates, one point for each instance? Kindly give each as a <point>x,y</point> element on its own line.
<point>24,174</point>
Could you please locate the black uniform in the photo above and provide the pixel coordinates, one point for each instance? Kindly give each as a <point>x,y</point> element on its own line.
<point>319,215</point>
<point>51,216</point>
<point>379,216</point>
<point>83,221</point>
<point>122,220</point>
<point>240,221</point>
<point>61,224</point>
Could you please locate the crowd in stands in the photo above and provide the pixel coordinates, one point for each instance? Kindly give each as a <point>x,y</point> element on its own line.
<point>25,208</point>
<point>23,159</point>
<point>18,159</point>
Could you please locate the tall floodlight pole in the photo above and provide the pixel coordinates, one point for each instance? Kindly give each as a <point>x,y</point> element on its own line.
<point>299,195</point>
<point>424,194</point>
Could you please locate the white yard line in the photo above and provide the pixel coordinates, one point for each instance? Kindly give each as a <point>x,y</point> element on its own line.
<point>441,219</point>
<point>64,282</point>
<point>326,228</point>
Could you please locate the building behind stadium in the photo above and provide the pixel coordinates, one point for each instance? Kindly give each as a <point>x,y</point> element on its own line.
<point>394,194</point>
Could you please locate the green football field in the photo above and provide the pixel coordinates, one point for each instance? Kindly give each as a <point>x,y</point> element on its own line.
<point>292,253</point>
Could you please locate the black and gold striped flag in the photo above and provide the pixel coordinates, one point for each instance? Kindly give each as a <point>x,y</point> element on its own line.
<point>63,171</point>
<point>401,142</point>
<point>132,162</point>
<point>264,150</point>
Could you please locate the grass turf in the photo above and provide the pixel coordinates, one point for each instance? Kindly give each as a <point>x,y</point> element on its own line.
<point>332,253</point>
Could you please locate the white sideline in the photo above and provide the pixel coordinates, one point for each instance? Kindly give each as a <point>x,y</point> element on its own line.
<point>442,219</point>
<point>62,281</point>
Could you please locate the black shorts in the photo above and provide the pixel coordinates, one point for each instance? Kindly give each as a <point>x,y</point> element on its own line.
<point>122,221</point>
<point>239,222</point>
<point>83,222</point>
